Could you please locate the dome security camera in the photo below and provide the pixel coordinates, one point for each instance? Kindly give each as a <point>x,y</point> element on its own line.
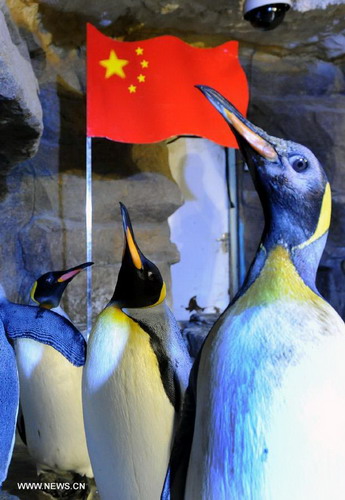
<point>263,14</point>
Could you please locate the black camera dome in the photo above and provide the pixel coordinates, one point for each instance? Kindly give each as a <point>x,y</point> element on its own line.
<point>266,16</point>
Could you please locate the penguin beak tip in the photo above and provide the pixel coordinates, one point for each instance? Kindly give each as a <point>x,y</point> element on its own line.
<point>130,242</point>
<point>202,88</point>
<point>125,217</point>
<point>87,264</point>
<point>208,92</point>
<point>222,105</point>
<point>69,275</point>
<point>240,125</point>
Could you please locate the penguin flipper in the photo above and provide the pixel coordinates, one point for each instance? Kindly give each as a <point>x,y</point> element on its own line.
<point>160,324</point>
<point>175,480</point>
<point>9,397</point>
<point>36,323</point>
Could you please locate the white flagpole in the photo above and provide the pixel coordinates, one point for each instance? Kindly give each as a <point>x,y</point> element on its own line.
<point>233,221</point>
<point>88,216</point>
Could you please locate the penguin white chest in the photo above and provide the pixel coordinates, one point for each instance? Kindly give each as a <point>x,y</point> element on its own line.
<point>128,417</point>
<point>274,407</point>
<point>52,408</point>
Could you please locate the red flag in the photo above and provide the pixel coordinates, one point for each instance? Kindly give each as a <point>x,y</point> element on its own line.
<point>142,92</point>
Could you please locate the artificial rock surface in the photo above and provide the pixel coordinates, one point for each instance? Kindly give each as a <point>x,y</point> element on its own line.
<point>20,108</point>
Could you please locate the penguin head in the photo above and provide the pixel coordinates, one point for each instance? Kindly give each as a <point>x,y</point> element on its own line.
<point>290,181</point>
<point>48,289</point>
<point>139,283</point>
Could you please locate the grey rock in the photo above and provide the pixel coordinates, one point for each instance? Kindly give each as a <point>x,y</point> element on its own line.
<point>313,122</point>
<point>149,197</point>
<point>308,76</point>
<point>152,238</point>
<point>203,17</point>
<point>20,109</point>
<point>330,282</point>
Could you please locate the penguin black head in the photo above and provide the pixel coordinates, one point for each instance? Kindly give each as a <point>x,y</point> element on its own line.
<point>290,181</point>
<point>139,283</point>
<point>48,289</point>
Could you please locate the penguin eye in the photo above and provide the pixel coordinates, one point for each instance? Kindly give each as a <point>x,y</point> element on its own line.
<point>299,163</point>
<point>150,275</point>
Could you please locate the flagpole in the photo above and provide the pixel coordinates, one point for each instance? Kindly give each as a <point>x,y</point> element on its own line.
<point>88,217</point>
<point>230,164</point>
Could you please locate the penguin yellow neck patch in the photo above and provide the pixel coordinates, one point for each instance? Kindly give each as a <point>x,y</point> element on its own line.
<point>33,290</point>
<point>324,218</point>
<point>278,280</point>
<point>162,295</point>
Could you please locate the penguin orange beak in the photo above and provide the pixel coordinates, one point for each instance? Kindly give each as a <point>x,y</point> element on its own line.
<point>130,243</point>
<point>70,273</point>
<point>242,128</point>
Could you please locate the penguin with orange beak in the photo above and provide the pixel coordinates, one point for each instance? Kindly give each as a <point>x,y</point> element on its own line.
<point>48,289</point>
<point>134,380</point>
<point>26,322</point>
<point>51,422</point>
<point>265,409</point>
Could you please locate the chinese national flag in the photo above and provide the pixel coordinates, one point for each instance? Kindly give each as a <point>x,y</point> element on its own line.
<point>142,92</point>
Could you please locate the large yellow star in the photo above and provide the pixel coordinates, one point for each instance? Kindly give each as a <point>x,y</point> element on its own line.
<point>114,65</point>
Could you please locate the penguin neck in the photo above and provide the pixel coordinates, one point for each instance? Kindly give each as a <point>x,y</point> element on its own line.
<point>305,259</point>
<point>114,303</point>
<point>146,315</point>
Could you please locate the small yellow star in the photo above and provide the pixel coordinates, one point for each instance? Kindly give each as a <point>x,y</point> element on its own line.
<point>141,78</point>
<point>139,51</point>
<point>144,63</point>
<point>114,65</point>
<point>132,89</point>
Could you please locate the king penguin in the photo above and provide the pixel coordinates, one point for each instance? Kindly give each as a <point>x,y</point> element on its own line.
<point>17,321</point>
<point>264,416</point>
<point>50,393</point>
<point>134,380</point>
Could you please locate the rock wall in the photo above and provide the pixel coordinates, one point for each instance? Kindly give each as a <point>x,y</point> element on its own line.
<point>52,235</point>
<point>20,109</point>
<point>43,199</point>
